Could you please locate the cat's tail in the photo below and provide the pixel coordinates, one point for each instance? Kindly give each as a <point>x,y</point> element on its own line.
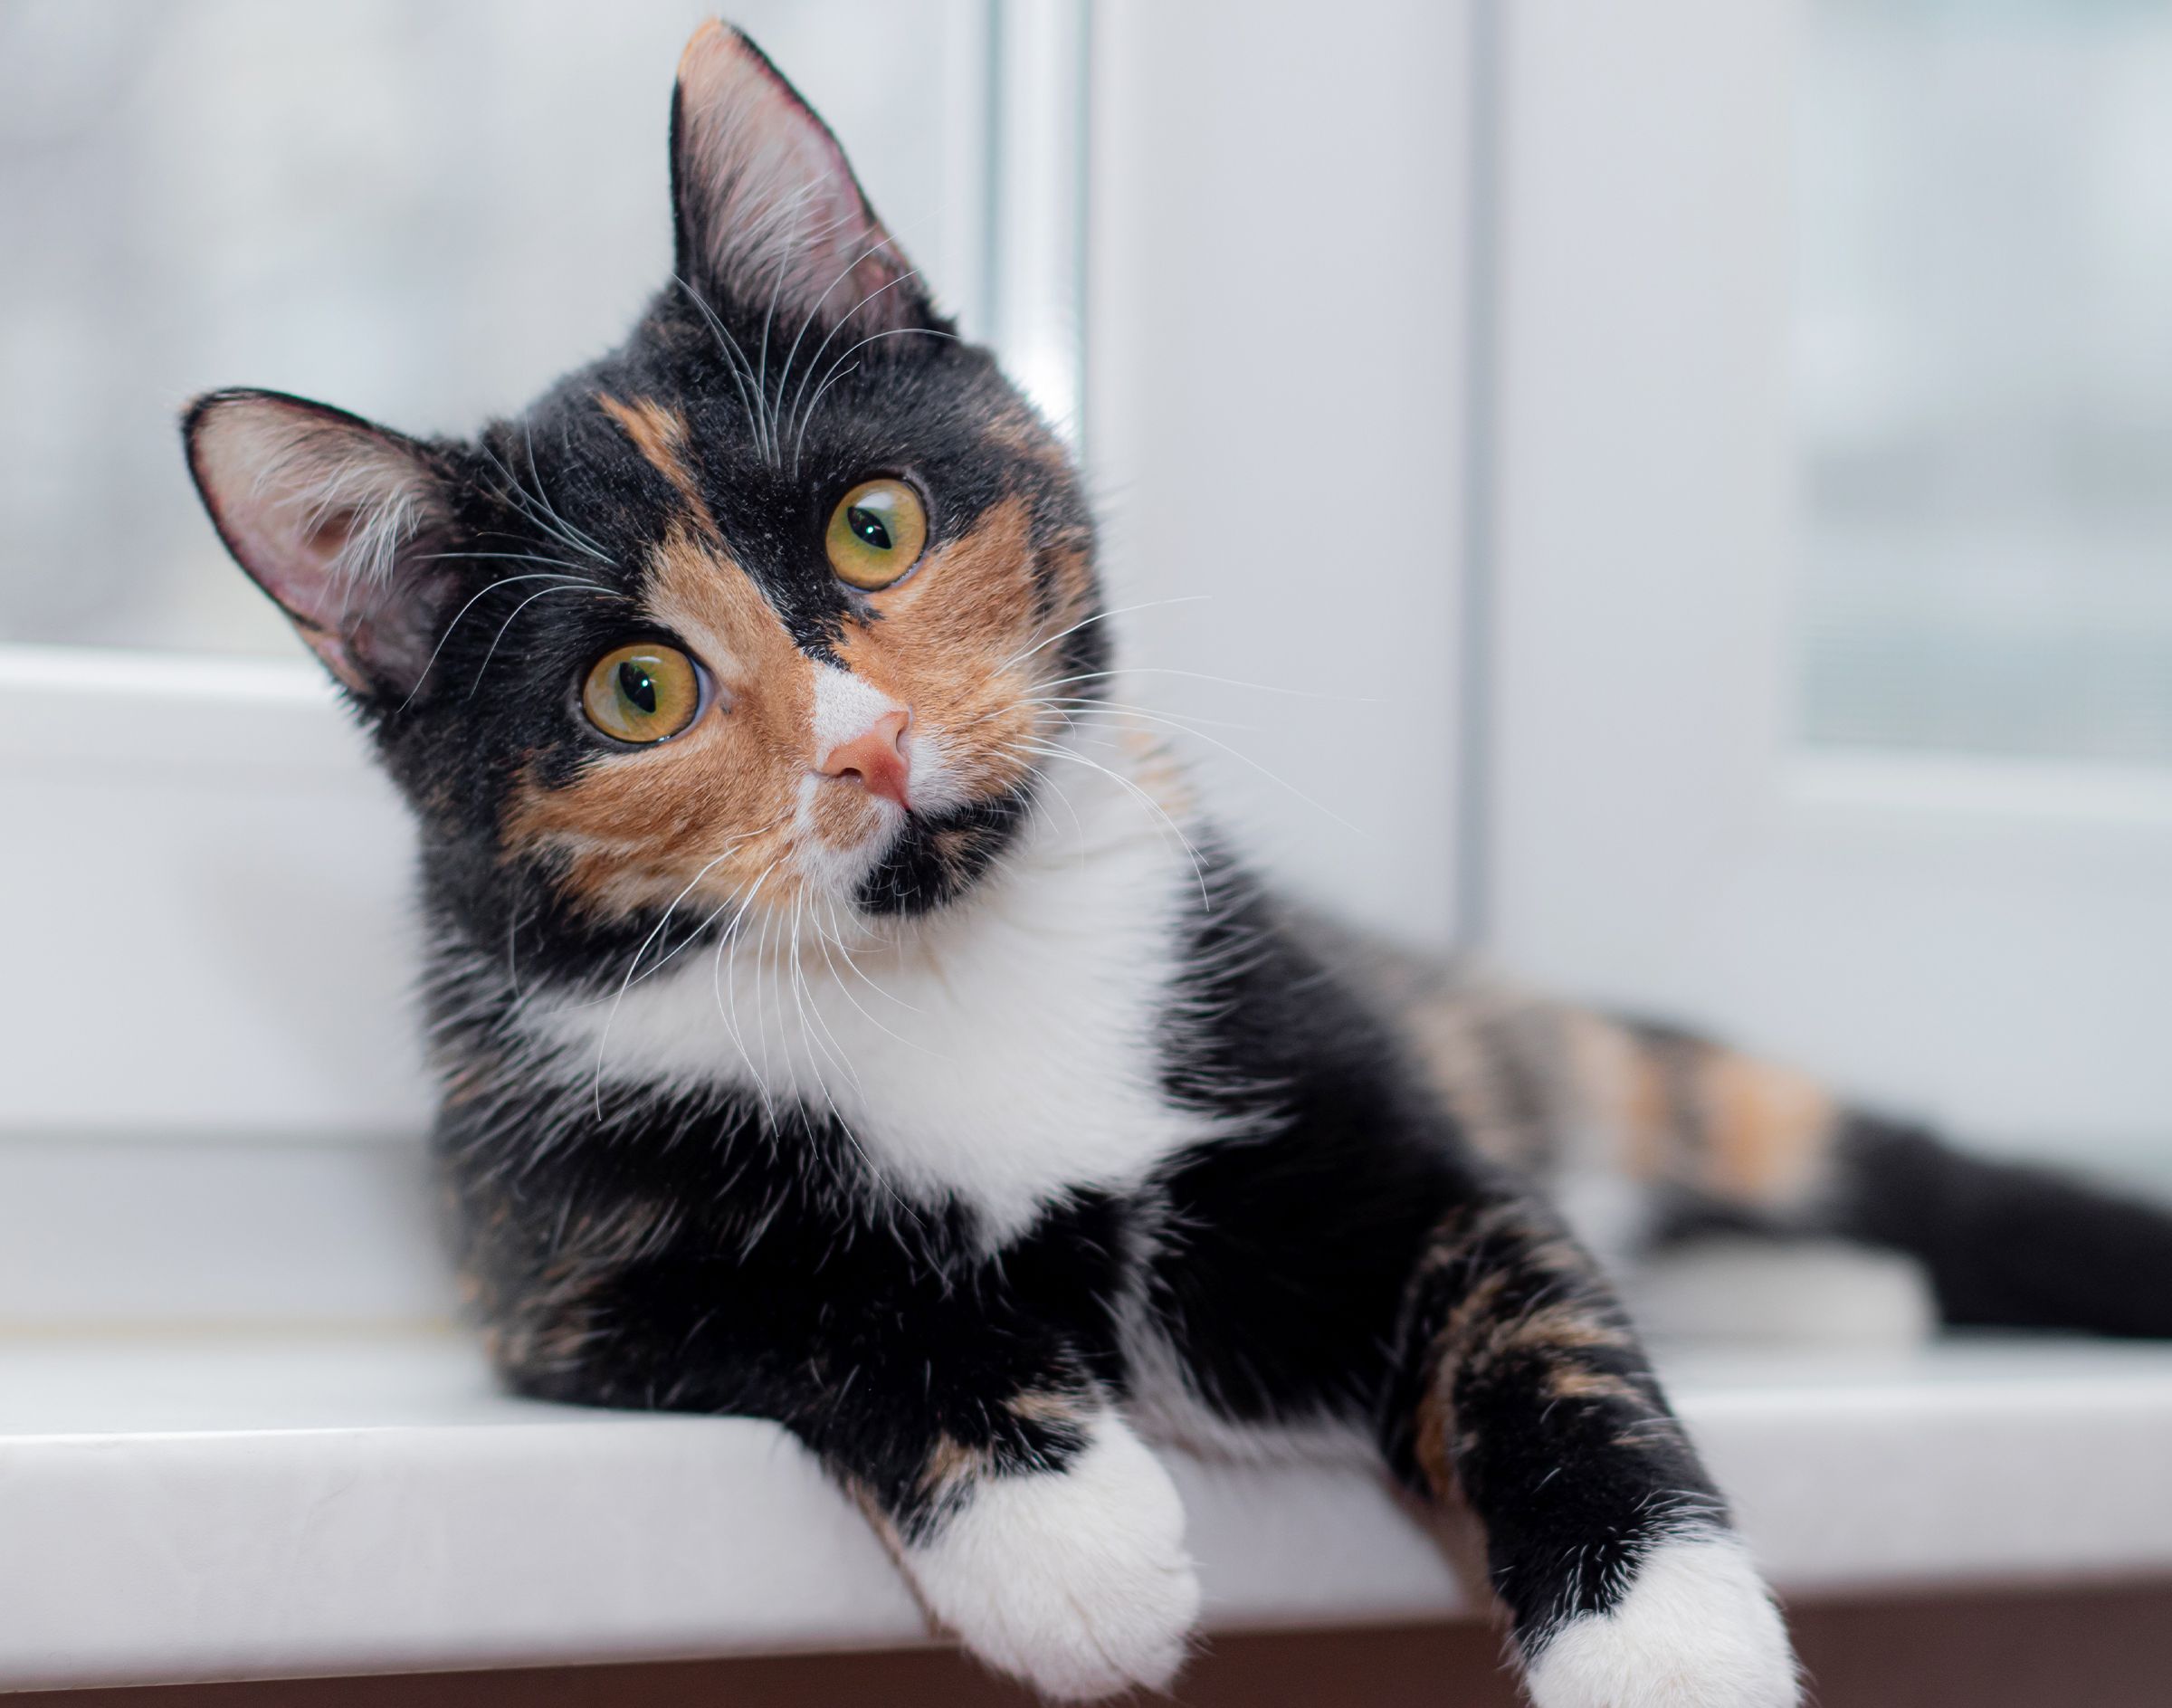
<point>2004,1244</point>
<point>1706,1133</point>
<point>1683,1129</point>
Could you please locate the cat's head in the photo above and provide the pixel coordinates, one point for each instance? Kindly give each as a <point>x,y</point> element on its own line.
<point>773,604</point>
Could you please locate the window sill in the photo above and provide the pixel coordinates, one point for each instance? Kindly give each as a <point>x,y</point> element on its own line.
<point>253,1507</point>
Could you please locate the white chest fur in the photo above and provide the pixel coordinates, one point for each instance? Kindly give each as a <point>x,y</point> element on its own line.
<point>1004,1051</point>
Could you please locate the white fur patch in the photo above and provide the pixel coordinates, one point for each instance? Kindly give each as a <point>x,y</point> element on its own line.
<point>1004,1050</point>
<point>846,706</point>
<point>1077,1580</point>
<point>1696,1630</point>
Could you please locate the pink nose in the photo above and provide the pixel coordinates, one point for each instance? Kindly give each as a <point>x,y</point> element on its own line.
<point>875,757</point>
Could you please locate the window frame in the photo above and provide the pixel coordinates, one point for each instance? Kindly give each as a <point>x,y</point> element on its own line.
<point>1982,941</point>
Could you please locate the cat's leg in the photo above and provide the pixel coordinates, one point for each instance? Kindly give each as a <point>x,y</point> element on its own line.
<point>977,1435</point>
<point>1062,1563</point>
<point>1522,1387</point>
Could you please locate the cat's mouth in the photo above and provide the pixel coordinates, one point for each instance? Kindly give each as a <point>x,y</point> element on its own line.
<point>935,853</point>
<point>894,825</point>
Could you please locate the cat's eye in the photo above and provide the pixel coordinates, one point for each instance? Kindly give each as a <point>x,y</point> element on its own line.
<point>877,532</point>
<point>642,693</point>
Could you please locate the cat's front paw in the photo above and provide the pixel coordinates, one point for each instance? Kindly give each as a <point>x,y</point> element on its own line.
<point>1075,1581</point>
<point>1696,1630</point>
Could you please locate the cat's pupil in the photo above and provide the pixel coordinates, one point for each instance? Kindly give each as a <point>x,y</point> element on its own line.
<point>637,685</point>
<point>869,527</point>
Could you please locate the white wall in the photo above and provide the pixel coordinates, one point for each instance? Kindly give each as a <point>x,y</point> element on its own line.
<point>1275,411</point>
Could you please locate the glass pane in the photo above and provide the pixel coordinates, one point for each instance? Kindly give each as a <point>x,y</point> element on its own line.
<point>418,211</point>
<point>1984,373</point>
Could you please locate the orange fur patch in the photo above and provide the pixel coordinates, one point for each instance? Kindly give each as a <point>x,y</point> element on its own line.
<point>1622,1086</point>
<point>636,827</point>
<point>944,641</point>
<point>842,816</point>
<point>1436,1433</point>
<point>1766,1128</point>
<point>1073,594</point>
<point>1041,1407</point>
<point>952,1464</point>
<point>1558,1327</point>
<point>1155,769</point>
<point>660,436</point>
<point>1491,1055</point>
<point>1580,1381</point>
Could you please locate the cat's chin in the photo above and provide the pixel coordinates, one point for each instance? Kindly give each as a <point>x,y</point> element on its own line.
<point>935,855</point>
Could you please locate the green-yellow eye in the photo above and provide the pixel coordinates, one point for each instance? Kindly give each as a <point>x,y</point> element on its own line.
<point>641,693</point>
<point>877,533</point>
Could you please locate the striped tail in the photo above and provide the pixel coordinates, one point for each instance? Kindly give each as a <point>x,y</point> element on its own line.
<point>1687,1133</point>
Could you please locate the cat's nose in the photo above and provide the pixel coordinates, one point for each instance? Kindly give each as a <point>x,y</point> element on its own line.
<point>875,757</point>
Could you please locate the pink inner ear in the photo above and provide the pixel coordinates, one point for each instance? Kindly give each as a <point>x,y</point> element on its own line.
<point>316,506</point>
<point>770,205</point>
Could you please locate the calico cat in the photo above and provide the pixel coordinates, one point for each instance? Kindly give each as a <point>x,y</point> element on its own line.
<point>843,1014</point>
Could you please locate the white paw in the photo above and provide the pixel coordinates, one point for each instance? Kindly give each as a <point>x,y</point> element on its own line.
<point>1696,1630</point>
<point>1077,1580</point>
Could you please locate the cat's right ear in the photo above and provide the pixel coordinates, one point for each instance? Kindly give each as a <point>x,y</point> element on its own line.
<point>337,520</point>
<point>765,207</point>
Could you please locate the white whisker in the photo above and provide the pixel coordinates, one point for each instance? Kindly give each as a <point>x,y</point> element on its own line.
<point>853,966</point>
<point>483,667</point>
<point>725,974</point>
<point>830,375</point>
<point>814,310</point>
<point>1153,806</point>
<point>503,581</point>
<point>1239,755</point>
<point>581,541</point>
<point>1099,616</point>
<point>1223,682</point>
<point>729,348</point>
<point>1080,704</point>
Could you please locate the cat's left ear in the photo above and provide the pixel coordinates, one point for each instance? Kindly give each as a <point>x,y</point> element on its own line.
<point>765,207</point>
<point>337,519</point>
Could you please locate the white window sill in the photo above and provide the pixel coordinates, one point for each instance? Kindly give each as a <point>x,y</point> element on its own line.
<point>189,1509</point>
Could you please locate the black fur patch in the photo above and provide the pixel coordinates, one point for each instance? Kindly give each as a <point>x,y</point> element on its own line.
<point>2005,1246</point>
<point>937,857</point>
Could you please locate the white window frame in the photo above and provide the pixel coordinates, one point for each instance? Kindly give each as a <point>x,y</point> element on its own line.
<point>1283,213</point>
<point>1987,941</point>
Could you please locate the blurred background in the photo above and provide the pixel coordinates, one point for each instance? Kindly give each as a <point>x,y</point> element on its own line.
<point>454,205</point>
<point>1982,361</point>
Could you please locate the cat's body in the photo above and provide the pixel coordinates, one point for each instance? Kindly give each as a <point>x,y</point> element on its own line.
<point>1101,1146</point>
<point>845,1014</point>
